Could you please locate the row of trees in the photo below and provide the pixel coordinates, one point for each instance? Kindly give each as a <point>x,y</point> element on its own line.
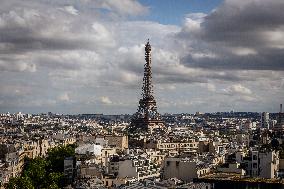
<point>44,173</point>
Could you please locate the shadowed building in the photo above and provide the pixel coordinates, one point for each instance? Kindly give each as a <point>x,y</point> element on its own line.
<point>279,127</point>
<point>147,118</point>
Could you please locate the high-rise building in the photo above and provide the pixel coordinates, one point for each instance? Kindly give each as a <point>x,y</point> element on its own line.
<point>279,126</point>
<point>147,117</point>
<point>265,120</point>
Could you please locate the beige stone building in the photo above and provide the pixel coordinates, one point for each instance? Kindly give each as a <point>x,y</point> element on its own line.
<point>190,146</point>
<point>117,141</point>
<point>184,169</point>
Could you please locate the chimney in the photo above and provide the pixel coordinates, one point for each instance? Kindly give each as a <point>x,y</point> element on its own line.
<point>280,108</point>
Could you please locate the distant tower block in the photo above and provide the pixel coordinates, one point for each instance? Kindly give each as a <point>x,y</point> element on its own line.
<point>279,127</point>
<point>147,117</point>
<point>265,120</point>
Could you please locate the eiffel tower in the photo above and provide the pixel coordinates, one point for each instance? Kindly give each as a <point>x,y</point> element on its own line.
<point>147,118</point>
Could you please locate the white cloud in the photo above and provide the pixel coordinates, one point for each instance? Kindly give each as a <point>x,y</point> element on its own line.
<point>125,7</point>
<point>211,87</point>
<point>101,33</point>
<point>238,89</point>
<point>105,100</point>
<point>241,51</point>
<point>274,38</point>
<point>17,66</point>
<point>70,9</point>
<point>193,21</point>
<point>248,98</point>
<point>64,97</point>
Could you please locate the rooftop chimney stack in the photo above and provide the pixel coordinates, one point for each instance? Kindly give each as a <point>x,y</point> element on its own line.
<point>280,108</point>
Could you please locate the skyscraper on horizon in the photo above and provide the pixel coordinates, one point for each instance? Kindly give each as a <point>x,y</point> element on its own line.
<point>265,120</point>
<point>279,127</point>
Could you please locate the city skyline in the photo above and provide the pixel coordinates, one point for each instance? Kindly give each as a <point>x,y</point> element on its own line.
<point>87,56</point>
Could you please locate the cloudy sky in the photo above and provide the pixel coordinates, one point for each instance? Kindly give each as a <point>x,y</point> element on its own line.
<point>86,56</point>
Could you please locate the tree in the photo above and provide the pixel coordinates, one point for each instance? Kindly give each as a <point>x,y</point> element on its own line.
<point>55,180</point>
<point>53,186</point>
<point>275,144</point>
<point>43,172</point>
<point>56,156</point>
<point>36,170</point>
<point>22,182</point>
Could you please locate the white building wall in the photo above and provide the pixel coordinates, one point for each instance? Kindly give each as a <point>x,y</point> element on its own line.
<point>89,148</point>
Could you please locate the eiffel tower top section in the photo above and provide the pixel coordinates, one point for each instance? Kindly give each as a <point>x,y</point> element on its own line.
<point>147,88</point>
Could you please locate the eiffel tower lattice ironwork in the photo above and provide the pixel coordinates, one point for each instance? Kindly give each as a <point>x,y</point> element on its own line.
<point>147,117</point>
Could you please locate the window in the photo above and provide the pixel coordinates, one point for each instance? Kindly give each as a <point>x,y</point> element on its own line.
<point>254,157</point>
<point>254,165</point>
<point>168,163</point>
<point>177,163</point>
